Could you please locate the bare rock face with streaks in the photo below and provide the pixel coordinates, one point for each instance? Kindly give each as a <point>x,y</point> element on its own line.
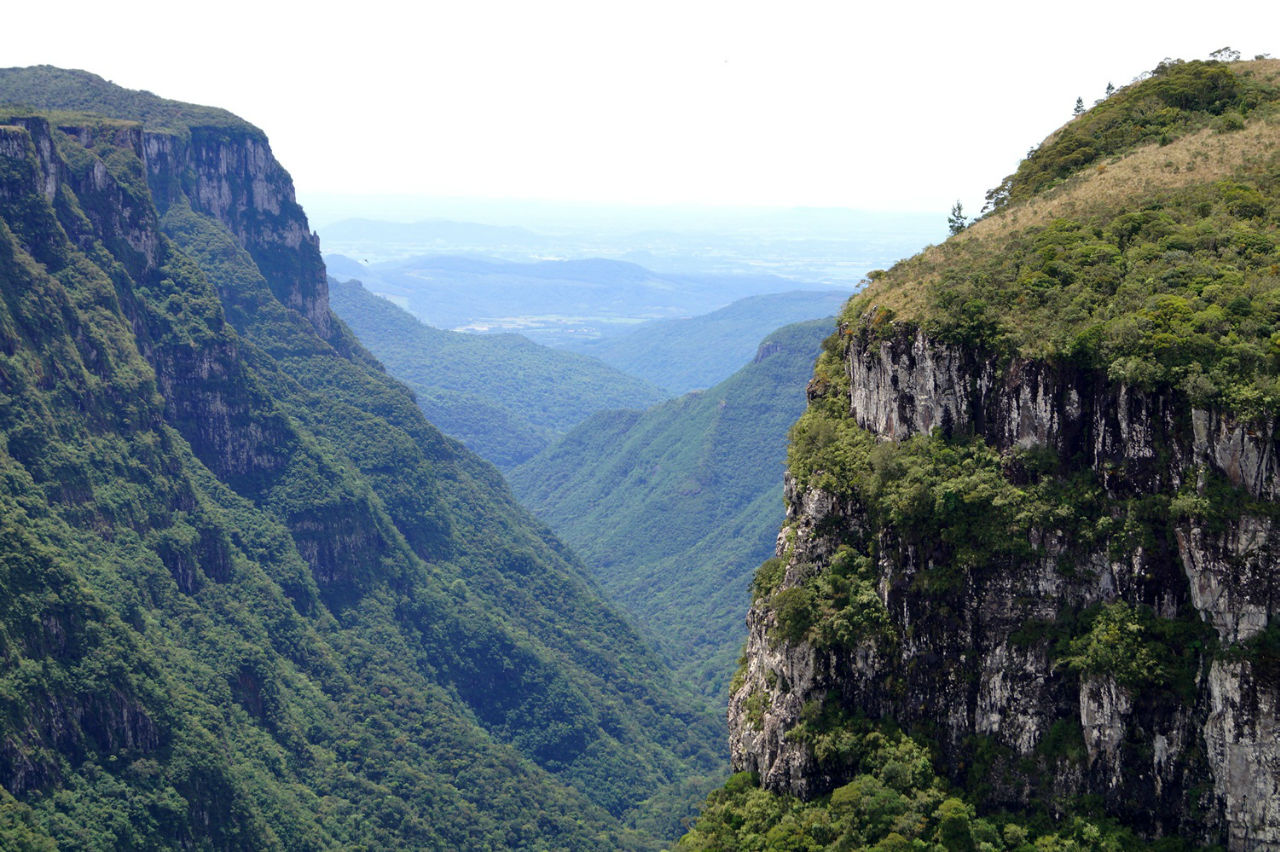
<point>980,667</point>
<point>234,178</point>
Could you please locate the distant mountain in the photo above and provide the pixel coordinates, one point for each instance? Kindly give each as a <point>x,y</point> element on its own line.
<point>345,268</point>
<point>556,301</point>
<point>686,354</point>
<point>502,395</point>
<point>807,246</point>
<point>674,507</point>
<point>432,235</point>
<point>429,229</point>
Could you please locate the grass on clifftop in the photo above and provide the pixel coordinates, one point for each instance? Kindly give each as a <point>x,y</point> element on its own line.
<point>69,96</point>
<point>1158,265</point>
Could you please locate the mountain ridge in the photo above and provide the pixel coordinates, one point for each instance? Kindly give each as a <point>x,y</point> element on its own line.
<point>694,353</point>
<point>502,395</point>
<point>551,301</point>
<point>253,599</point>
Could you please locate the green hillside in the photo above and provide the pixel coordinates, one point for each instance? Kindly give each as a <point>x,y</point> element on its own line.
<point>502,395</point>
<point>48,88</point>
<point>1139,239</point>
<point>690,354</point>
<point>672,508</point>
<point>249,597</point>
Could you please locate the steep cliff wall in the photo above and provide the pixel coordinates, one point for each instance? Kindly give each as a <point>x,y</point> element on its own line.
<point>1033,507</point>
<point>1030,541</point>
<point>974,660</point>
<point>232,177</point>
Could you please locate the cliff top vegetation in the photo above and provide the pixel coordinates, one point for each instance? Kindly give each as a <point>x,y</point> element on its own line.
<point>70,96</point>
<point>1139,238</point>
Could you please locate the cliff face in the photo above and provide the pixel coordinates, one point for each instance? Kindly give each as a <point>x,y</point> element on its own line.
<point>979,664</point>
<point>233,178</point>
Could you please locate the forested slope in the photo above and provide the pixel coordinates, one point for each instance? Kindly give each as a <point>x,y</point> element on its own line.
<point>673,507</point>
<point>695,353</point>
<point>251,597</point>
<point>502,395</point>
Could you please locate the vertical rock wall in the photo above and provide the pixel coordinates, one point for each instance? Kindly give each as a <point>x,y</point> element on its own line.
<point>233,177</point>
<point>1206,764</point>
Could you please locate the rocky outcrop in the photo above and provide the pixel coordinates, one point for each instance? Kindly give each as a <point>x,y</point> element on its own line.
<point>209,394</point>
<point>975,665</point>
<point>909,384</point>
<point>231,175</point>
<point>30,139</point>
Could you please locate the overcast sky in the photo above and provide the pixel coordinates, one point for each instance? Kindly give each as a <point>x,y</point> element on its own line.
<point>904,106</point>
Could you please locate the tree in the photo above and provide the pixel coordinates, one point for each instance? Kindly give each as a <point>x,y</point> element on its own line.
<point>1079,110</point>
<point>956,221</point>
<point>1225,54</point>
<point>1111,90</point>
<point>997,197</point>
<point>955,831</point>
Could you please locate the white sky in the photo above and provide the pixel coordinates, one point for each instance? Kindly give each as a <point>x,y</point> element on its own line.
<point>905,106</point>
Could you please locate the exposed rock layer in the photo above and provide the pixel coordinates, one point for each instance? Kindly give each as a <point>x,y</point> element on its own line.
<point>238,182</point>
<point>1205,764</point>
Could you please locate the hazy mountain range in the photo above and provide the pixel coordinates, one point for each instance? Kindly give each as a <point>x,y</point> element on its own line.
<point>553,301</point>
<point>808,246</point>
<point>502,395</point>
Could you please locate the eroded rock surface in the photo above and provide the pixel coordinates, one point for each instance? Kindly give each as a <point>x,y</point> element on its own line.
<point>1202,761</point>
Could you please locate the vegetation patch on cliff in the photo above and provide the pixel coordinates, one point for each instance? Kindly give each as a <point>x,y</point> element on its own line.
<point>895,803</point>
<point>958,499</point>
<point>1138,648</point>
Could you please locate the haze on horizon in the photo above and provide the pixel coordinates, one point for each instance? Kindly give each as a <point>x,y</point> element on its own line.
<point>822,104</point>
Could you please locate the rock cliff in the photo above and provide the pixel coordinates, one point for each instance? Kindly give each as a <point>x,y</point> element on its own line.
<point>1032,510</point>
<point>234,178</point>
<point>1028,564</point>
<point>1201,763</point>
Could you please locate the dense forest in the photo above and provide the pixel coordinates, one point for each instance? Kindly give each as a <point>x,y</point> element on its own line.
<point>252,598</point>
<point>673,507</point>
